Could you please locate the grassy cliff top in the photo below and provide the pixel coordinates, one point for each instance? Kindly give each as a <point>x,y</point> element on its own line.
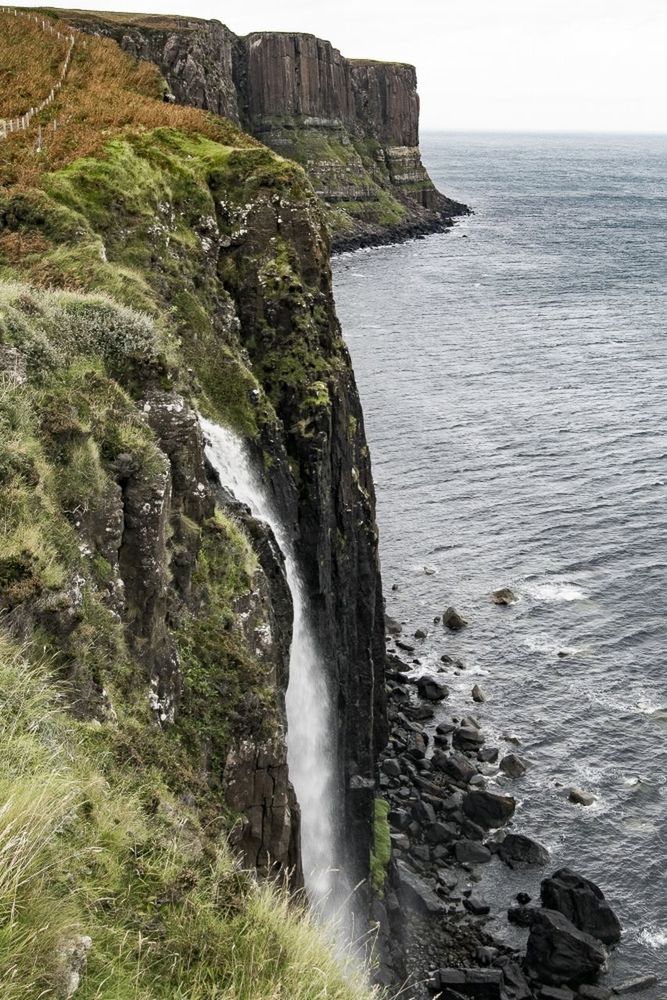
<point>160,22</point>
<point>105,94</point>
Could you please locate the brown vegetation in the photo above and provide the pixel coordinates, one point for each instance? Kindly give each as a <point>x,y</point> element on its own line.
<point>23,43</point>
<point>106,93</point>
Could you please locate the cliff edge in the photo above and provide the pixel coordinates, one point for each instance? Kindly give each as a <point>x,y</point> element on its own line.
<point>159,266</point>
<point>352,124</point>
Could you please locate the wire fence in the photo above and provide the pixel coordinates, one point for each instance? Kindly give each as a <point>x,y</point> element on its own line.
<point>22,122</point>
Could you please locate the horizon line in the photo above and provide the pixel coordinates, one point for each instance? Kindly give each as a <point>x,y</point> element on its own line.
<point>540,131</point>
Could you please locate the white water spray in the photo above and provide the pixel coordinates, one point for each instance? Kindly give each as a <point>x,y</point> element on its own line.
<point>310,738</point>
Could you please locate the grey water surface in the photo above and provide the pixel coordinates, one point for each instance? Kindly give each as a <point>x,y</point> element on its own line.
<point>513,374</point>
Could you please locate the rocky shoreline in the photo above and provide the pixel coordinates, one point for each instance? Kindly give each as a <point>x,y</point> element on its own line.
<point>445,825</point>
<point>402,232</point>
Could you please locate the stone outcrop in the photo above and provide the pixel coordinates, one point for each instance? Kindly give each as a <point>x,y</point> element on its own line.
<point>353,124</point>
<point>320,475</point>
<point>582,902</point>
<point>559,953</point>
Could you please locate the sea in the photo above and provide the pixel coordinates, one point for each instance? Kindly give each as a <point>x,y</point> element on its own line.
<point>513,375</point>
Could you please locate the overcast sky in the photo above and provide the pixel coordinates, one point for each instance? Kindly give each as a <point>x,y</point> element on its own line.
<point>487,64</point>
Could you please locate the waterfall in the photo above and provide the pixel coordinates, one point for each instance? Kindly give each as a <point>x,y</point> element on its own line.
<point>310,732</point>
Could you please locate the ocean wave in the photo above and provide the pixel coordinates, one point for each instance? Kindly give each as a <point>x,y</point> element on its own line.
<point>654,937</point>
<point>543,643</point>
<point>555,592</point>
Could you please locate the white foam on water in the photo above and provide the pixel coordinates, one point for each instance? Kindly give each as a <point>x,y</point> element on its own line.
<point>310,731</point>
<point>543,643</point>
<point>654,937</point>
<point>555,592</point>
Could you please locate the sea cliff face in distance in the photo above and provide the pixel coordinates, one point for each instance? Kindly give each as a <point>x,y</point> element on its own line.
<point>353,124</point>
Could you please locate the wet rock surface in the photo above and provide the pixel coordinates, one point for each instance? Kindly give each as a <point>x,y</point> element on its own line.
<point>447,829</point>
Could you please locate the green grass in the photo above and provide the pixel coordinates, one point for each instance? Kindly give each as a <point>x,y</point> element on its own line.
<point>110,286</point>
<point>91,846</point>
<point>381,853</point>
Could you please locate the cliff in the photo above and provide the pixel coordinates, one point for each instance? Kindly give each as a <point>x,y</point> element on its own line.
<point>352,124</point>
<point>156,264</point>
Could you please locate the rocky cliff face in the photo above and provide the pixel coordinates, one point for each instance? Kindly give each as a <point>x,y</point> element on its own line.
<point>171,269</point>
<point>227,250</point>
<point>353,124</point>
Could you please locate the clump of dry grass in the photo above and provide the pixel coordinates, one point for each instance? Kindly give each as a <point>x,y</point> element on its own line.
<point>31,59</point>
<point>105,93</point>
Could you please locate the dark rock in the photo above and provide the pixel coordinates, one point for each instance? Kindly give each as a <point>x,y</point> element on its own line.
<point>558,952</point>
<point>580,797</point>
<point>392,626</point>
<point>523,898</point>
<point>419,713</point>
<point>467,738</point>
<point>415,892</point>
<point>441,833</point>
<point>400,841</point>
<point>472,853</point>
<point>487,809</point>
<point>513,766</point>
<point>405,646</point>
<point>391,768</point>
<point>420,634</point>
<point>590,992</point>
<point>556,993</point>
<point>399,819</point>
<point>423,812</point>
<point>455,765</point>
<point>472,831</point>
<point>451,619</point>
<point>636,985</point>
<point>489,755</point>
<point>522,916</point>
<point>514,978</point>
<point>477,906</point>
<point>395,663</point>
<point>477,984</point>
<point>582,902</point>
<point>504,596</point>
<point>257,785</point>
<point>477,694</point>
<point>485,954</point>
<point>431,688</point>
<point>518,849</point>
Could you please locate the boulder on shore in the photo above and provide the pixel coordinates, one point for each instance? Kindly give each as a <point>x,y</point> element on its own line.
<point>487,809</point>
<point>431,688</point>
<point>392,626</point>
<point>504,596</point>
<point>582,902</point>
<point>513,766</point>
<point>519,849</point>
<point>451,619</point>
<point>467,738</point>
<point>455,765</point>
<point>415,893</point>
<point>559,953</point>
